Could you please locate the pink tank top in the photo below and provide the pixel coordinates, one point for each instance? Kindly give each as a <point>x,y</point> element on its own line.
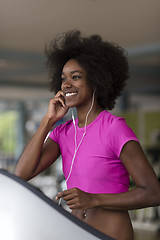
<point>97,167</point>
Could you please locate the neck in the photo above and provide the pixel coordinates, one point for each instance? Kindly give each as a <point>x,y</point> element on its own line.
<point>82,113</point>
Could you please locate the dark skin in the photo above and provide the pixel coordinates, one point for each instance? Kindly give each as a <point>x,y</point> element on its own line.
<point>106,212</point>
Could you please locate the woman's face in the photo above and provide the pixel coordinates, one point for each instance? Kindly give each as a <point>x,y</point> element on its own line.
<point>74,85</point>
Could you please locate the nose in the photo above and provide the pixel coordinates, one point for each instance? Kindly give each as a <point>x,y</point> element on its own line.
<point>66,84</point>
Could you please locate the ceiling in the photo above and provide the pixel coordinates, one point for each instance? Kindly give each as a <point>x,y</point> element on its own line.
<point>26,26</point>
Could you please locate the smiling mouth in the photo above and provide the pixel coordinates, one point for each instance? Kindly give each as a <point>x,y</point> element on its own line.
<point>69,94</point>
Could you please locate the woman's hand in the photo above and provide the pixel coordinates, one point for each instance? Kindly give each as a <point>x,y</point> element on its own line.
<point>76,198</point>
<point>57,108</point>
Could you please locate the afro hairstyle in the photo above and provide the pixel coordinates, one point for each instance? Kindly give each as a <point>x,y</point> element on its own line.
<point>105,63</point>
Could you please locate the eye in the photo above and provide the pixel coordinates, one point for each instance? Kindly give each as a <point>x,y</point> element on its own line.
<point>76,77</point>
<point>63,79</point>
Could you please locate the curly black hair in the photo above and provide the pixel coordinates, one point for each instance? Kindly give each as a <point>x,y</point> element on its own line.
<point>105,63</point>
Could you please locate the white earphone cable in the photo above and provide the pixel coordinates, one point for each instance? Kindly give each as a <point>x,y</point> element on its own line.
<point>76,148</point>
<point>85,129</point>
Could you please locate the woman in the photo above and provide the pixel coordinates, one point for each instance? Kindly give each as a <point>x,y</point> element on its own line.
<point>99,151</point>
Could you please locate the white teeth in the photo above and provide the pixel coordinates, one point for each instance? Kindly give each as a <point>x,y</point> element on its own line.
<point>70,94</point>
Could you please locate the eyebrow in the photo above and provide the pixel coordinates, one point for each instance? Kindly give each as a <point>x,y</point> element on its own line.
<point>73,72</point>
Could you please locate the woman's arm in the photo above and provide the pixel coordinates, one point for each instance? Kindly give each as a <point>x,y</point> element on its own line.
<point>37,155</point>
<point>147,190</point>
<point>145,194</point>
